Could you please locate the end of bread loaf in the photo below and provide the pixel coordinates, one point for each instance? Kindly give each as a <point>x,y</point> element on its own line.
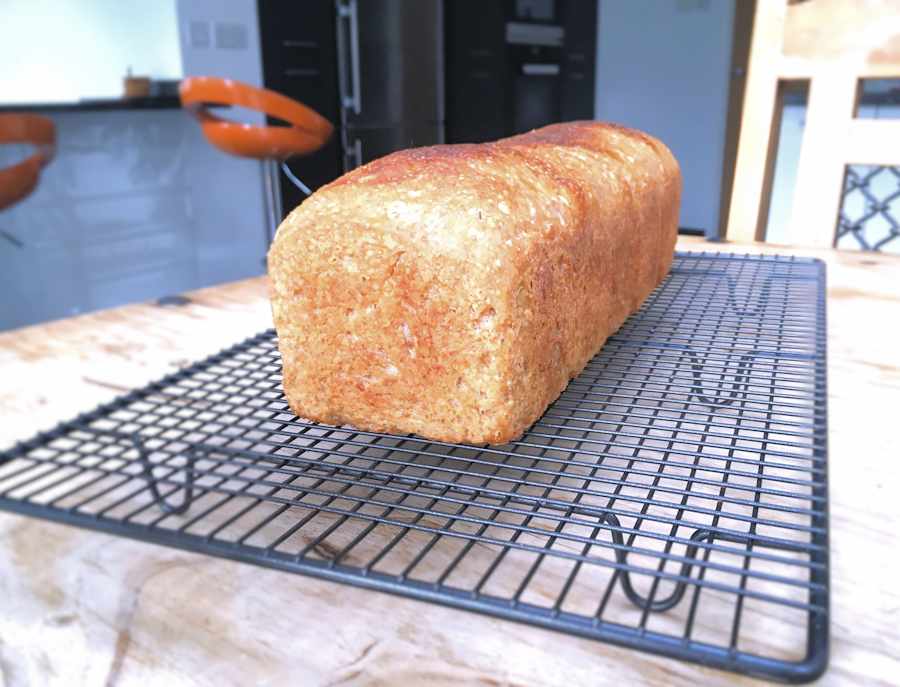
<point>453,291</point>
<point>395,305</point>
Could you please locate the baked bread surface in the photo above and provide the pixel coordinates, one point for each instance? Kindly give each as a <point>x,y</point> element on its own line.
<point>453,291</point>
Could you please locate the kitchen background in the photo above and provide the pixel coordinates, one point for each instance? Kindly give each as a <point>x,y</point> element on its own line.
<point>137,205</point>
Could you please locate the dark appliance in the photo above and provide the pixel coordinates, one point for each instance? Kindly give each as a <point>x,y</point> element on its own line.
<point>374,69</point>
<point>516,65</point>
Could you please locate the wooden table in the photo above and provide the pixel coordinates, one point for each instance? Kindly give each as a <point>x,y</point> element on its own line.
<point>85,608</point>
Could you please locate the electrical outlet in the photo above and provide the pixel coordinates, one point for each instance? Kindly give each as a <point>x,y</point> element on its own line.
<point>198,32</point>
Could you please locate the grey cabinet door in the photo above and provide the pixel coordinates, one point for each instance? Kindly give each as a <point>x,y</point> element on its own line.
<point>398,75</point>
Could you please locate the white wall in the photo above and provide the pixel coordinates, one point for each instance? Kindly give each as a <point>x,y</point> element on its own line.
<point>220,38</point>
<point>65,50</point>
<point>663,67</point>
<point>234,199</point>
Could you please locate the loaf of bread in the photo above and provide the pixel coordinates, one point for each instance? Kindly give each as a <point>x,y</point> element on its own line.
<point>453,291</point>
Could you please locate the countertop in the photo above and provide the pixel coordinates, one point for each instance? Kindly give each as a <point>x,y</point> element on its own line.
<point>82,608</point>
<point>150,102</point>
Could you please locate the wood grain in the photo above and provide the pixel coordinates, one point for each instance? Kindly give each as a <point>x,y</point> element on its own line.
<point>81,608</point>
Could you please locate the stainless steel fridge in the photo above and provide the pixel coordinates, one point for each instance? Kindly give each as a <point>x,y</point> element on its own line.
<point>390,76</point>
<point>373,68</point>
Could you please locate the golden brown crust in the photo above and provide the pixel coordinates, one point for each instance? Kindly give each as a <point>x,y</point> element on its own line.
<point>453,291</point>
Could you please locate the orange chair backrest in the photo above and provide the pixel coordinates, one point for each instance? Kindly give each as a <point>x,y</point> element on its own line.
<point>18,180</point>
<point>308,131</point>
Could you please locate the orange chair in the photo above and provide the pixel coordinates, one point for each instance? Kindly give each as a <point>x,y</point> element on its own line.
<point>20,179</point>
<point>308,131</point>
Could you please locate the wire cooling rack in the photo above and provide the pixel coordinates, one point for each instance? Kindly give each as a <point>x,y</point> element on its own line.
<point>673,499</point>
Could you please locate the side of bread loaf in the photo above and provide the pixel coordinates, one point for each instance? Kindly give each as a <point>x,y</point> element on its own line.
<point>453,291</point>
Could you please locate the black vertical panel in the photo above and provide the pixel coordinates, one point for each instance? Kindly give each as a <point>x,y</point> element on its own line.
<point>299,54</point>
<point>477,79</point>
<point>489,95</point>
<point>579,58</point>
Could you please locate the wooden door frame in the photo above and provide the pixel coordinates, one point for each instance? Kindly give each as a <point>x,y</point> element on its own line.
<point>742,34</point>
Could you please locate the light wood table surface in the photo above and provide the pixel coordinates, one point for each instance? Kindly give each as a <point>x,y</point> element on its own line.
<point>83,608</point>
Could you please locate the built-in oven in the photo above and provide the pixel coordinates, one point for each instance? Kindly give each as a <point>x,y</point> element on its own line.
<point>535,73</point>
<point>517,65</point>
